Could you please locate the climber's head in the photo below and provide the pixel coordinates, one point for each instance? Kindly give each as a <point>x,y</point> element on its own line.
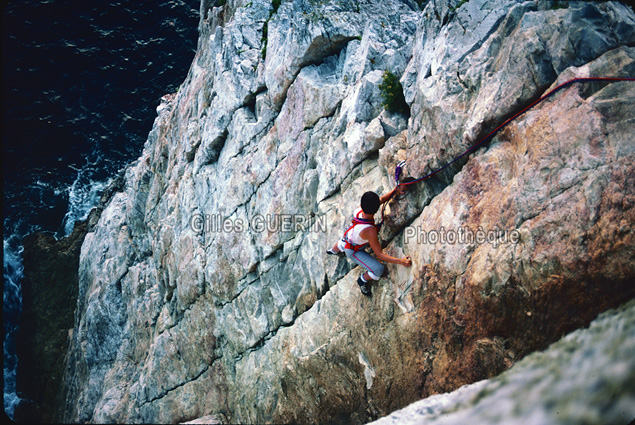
<point>370,203</point>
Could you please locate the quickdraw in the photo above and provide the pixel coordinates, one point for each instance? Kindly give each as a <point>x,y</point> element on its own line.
<point>398,171</point>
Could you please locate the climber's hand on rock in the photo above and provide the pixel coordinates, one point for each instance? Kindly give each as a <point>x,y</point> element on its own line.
<point>407,261</point>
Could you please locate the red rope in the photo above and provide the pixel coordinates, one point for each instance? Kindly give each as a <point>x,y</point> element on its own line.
<point>497,129</point>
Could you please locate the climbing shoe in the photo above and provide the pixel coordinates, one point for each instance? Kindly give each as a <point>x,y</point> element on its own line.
<point>363,286</point>
<point>331,252</point>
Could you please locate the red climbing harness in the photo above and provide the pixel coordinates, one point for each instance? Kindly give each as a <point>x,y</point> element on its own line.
<point>356,221</point>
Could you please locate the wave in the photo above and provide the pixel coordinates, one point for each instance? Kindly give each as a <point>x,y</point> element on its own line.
<point>84,193</point>
<point>12,302</point>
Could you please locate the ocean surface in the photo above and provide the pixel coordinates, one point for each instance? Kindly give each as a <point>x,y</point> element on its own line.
<point>81,82</point>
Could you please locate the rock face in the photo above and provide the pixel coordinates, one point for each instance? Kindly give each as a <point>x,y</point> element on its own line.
<point>49,296</point>
<point>204,290</point>
<point>586,377</point>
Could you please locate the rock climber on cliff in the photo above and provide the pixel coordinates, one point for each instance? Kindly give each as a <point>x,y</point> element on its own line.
<point>364,232</point>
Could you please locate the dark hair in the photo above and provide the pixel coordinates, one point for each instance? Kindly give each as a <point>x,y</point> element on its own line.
<point>370,202</point>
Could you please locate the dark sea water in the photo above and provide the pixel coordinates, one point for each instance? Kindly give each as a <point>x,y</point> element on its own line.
<point>80,84</point>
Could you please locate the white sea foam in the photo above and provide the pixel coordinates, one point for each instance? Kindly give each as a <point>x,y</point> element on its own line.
<point>12,300</point>
<point>84,194</point>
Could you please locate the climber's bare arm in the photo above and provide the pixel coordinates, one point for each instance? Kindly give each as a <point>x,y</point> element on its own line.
<point>386,196</point>
<point>370,234</point>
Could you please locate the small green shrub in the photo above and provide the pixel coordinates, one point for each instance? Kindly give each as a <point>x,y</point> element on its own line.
<point>392,94</point>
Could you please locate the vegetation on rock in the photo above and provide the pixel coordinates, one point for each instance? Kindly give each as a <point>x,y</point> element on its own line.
<point>392,94</point>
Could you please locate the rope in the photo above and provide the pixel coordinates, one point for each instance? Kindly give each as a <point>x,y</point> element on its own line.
<point>497,129</point>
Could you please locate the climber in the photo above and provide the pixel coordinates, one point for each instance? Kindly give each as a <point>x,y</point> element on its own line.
<point>364,232</point>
